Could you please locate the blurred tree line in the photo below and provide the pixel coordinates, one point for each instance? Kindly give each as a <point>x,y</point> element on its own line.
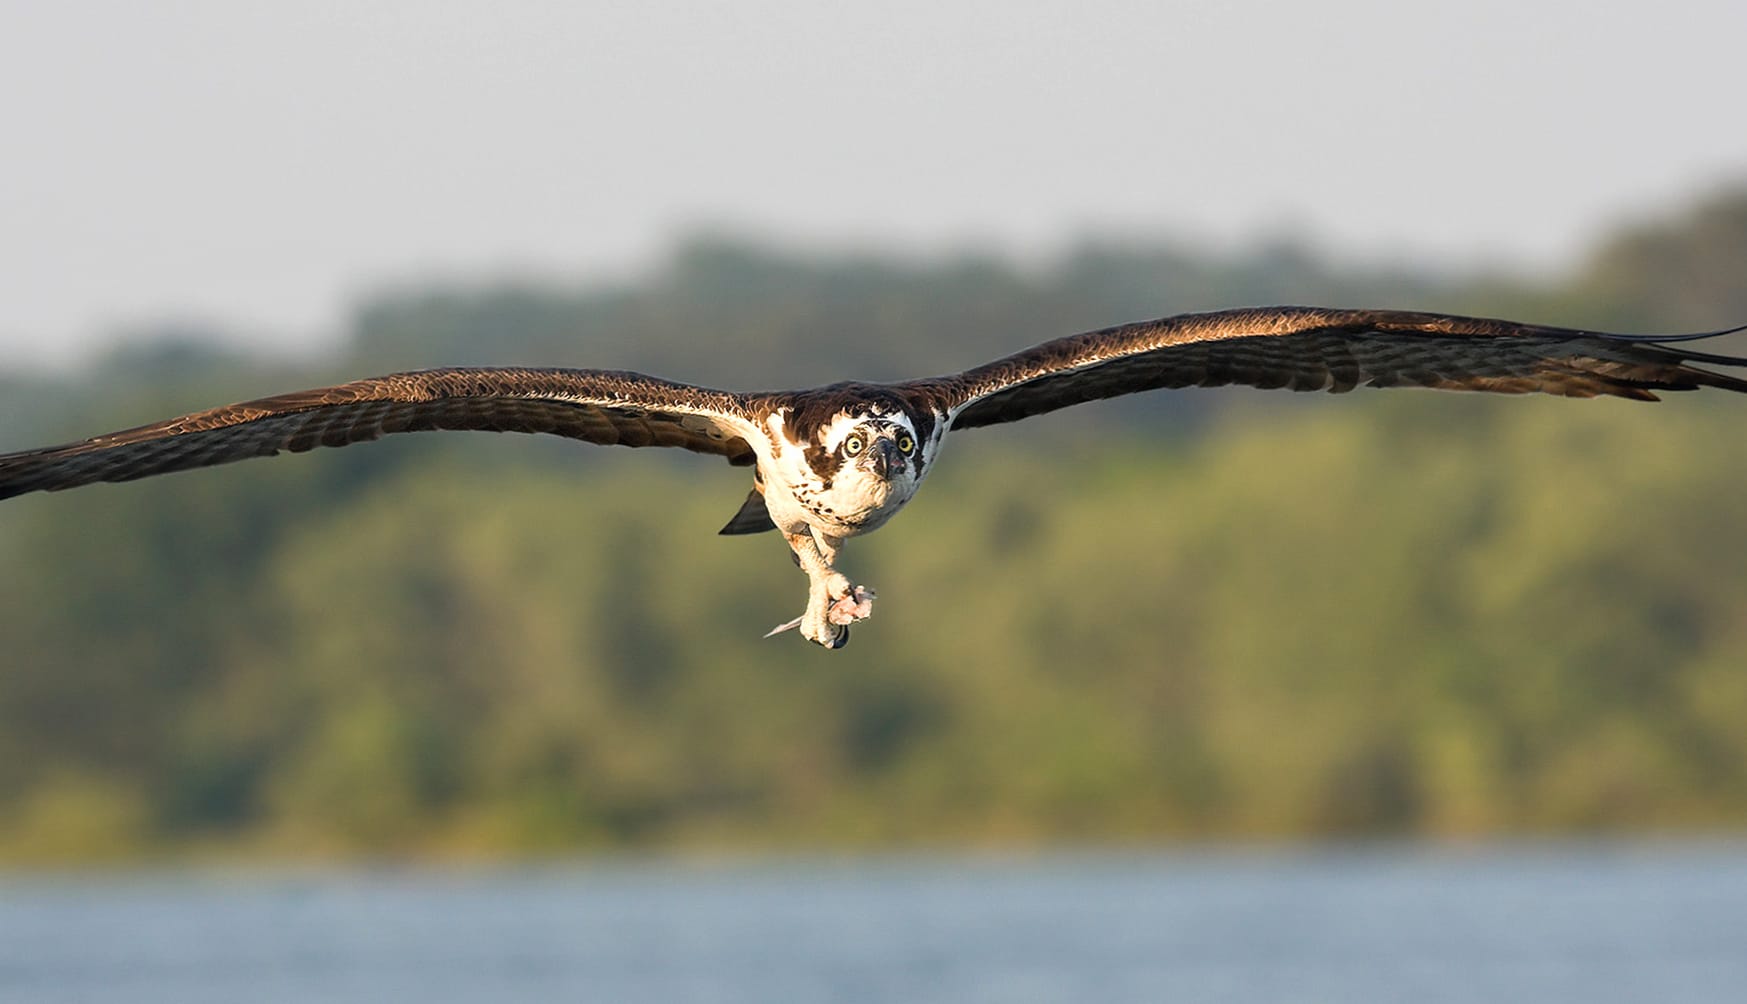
<point>1187,616</point>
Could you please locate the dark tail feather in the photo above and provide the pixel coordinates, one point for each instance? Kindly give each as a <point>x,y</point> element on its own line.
<point>753,517</point>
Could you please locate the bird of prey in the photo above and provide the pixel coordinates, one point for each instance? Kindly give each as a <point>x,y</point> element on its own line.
<point>830,463</point>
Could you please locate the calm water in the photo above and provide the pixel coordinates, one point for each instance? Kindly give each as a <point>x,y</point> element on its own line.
<point>1589,924</point>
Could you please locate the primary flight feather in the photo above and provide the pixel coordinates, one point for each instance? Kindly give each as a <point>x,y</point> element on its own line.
<point>838,461</point>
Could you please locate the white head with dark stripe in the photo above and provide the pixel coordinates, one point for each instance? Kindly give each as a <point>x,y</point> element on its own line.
<point>867,460</point>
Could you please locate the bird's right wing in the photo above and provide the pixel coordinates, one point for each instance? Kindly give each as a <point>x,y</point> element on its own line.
<point>597,406</point>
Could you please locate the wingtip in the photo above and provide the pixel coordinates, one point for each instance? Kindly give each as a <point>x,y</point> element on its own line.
<point>1691,336</point>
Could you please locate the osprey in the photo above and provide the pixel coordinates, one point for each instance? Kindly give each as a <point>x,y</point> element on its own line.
<point>830,463</point>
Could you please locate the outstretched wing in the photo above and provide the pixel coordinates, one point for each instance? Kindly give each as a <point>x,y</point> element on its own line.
<point>1308,348</point>
<point>599,406</point>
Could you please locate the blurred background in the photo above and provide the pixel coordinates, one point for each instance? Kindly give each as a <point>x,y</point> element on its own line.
<point>1112,645</point>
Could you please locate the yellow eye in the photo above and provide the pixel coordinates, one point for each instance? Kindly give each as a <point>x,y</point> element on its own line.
<point>853,445</point>
<point>905,443</point>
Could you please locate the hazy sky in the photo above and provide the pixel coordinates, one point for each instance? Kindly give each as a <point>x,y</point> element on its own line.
<point>256,165</point>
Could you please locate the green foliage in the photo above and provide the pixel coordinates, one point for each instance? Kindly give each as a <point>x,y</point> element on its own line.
<point>1387,613</point>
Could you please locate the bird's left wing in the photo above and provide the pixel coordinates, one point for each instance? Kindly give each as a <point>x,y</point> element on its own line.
<point>598,406</point>
<point>1309,348</point>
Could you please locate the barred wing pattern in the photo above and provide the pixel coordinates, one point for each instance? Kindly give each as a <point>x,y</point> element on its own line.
<point>1309,348</point>
<point>598,406</point>
<point>1300,348</point>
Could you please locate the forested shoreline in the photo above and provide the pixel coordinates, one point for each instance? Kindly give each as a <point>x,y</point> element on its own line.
<point>1195,616</point>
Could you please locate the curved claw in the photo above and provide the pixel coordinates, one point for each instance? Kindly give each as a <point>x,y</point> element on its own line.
<point>826,622</point>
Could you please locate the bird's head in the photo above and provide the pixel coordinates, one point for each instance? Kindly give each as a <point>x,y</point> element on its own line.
<point>874,456</point>
<point>881,447</point>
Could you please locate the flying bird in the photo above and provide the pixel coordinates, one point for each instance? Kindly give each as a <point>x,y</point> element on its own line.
<point>834,462</point>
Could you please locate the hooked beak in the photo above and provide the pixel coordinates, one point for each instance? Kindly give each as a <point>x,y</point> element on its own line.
<point>885,456</point>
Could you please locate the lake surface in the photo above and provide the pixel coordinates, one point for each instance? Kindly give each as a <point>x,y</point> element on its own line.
<point>1650,922</point>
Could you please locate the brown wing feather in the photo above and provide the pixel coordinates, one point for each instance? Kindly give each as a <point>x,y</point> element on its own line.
<point>1307,348</point>
<point>597,406</point>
